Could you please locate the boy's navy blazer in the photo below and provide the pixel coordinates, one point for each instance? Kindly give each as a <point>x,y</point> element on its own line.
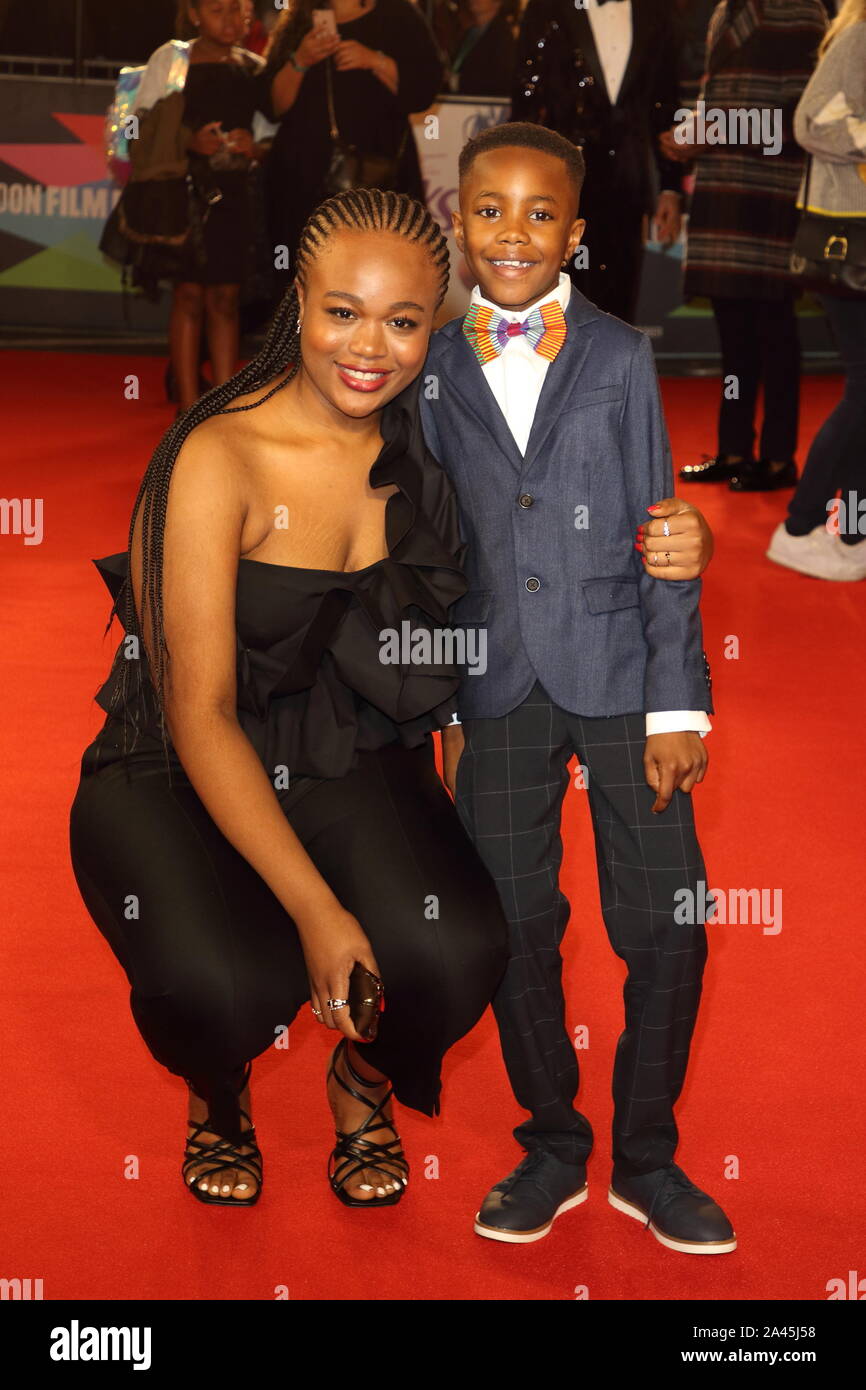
<point>554,577</point>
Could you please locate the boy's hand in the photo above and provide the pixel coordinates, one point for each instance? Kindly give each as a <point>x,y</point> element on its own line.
<point>689,544</point>
<point>671,761</point>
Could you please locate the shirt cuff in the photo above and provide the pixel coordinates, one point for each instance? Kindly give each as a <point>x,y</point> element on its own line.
<point>678,721</point>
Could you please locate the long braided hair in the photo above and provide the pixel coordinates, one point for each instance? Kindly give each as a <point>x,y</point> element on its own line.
<point>362,209</point>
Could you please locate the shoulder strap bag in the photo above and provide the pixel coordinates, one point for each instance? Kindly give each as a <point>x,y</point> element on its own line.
<point>351,167</point>
<point>829,250</point>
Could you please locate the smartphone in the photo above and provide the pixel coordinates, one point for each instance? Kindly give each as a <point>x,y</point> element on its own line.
<point>325,19</point>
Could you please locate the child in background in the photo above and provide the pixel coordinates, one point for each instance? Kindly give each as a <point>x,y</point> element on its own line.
<point>223,90</point>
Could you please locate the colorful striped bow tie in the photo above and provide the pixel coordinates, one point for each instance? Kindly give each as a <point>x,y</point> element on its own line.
<point>488,332</point>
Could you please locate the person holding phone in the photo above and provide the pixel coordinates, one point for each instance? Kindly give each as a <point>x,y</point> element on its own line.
<point>371,62</point>
<point>261,812</point>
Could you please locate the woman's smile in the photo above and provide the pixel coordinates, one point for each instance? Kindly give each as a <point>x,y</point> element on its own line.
<point>363,378</point>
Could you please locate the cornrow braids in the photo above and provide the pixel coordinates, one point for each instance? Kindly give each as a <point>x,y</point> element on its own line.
<point>363,209</point>
<point>369,209</point>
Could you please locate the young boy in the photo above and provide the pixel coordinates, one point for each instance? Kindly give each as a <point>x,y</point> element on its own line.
<point>548,419</point>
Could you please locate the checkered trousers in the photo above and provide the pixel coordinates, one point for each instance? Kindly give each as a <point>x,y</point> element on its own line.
<point>511,781</point>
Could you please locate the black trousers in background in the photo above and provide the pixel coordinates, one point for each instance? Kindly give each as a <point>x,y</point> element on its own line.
<point>760,347</point>
<point>215,963</point>
<point>837,458</point>
<point>512,778</point>
<point>612,240</point>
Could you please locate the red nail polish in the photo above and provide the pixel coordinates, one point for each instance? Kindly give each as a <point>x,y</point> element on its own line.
<point>652,509</point>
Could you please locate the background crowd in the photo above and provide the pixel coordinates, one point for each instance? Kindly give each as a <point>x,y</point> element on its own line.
<point>268,109</point>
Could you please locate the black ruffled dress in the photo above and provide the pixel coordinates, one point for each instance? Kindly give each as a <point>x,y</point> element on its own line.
<point>213,959</point>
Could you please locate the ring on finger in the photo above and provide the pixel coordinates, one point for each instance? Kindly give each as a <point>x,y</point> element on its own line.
<point>655,558</point>
<point>317,1012</point>
<point>337,1004</point>
<point>668,556</point>
<point>666,530</point>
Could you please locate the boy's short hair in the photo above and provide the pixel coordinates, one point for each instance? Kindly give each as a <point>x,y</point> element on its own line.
<point>527,136</point>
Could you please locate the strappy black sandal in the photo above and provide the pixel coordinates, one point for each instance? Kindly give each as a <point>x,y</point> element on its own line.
<point>354,1152</point>
<point>224,1153</point>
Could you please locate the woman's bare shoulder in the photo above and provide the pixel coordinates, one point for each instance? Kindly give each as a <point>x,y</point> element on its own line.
<point>231,432</point>
<point>222,452</point>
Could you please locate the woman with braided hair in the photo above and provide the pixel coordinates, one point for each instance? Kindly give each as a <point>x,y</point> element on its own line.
<point>261,810</point>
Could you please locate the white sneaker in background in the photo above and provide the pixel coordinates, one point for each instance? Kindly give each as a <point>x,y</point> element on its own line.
<point>854,559</point>
<point>819,554</point>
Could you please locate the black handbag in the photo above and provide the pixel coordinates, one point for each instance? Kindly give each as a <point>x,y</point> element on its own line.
<point>165,212</point>
<point>153,226</point>
<point>354,168</point>
<point>829,250</point>
<point>156,211</point>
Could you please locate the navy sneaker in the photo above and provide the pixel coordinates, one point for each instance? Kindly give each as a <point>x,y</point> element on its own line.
<point>524,1206</point>
<point>679,1214</point>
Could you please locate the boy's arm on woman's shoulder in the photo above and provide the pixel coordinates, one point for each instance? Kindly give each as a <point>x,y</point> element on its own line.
<point>676,672</point>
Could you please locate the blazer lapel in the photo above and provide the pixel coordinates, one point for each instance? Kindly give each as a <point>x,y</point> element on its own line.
<point>581,30</point>
<point>466,378</point>
<point>562,374</point>
<point>640,44</point>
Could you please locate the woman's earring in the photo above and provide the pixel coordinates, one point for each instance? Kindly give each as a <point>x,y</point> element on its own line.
<point>298,329</point>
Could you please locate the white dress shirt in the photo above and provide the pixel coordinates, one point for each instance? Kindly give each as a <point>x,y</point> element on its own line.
<point>612,30</point>
<point>516,377</point>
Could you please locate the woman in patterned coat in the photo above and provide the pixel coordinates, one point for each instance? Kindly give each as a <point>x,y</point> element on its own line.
<point>760,55</point>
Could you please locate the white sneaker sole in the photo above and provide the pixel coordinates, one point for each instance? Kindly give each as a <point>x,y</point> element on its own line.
<point>790,563</point>
<point>524,1237</point>
<point>687,1247</point>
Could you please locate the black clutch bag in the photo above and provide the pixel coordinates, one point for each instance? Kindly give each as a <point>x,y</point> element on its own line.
<point>366,1001</point>
<point>354,168</point>
<point>829,251</point>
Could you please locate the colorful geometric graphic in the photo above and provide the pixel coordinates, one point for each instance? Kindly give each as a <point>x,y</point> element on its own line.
<point>54,201</point>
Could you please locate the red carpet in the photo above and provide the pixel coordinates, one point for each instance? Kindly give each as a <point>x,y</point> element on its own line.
<point>776,1081</point>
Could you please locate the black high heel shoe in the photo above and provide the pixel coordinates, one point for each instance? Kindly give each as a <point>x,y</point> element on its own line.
<point>222,1154</point>
<point>354,1152</point>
